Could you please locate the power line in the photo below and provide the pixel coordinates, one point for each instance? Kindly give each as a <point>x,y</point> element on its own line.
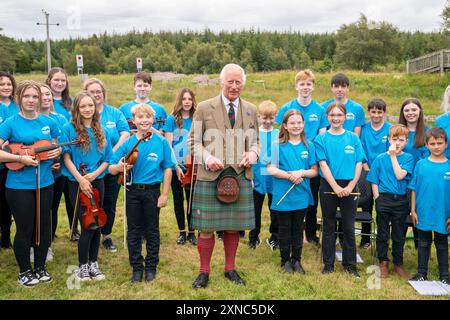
<point>47,24</point>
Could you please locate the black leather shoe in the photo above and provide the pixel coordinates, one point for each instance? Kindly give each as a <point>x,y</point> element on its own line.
<point>201,281</point>
<point>327,269</point>
<point>235,277</point>
<point>352,271</point>
<point>150,276</point>
<point>137,276</point>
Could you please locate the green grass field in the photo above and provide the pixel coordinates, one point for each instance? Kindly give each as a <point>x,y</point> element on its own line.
<point>179,264</point>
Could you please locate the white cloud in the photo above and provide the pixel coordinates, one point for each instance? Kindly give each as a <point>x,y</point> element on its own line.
<point>18,18</point>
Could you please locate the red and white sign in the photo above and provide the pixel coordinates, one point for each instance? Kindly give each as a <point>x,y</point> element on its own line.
<point>139,63</point>
<point>79,61</point>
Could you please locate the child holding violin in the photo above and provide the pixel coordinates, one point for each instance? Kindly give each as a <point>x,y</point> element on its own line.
<point>29,191</point>
<point>91,157</point>
<point>152,166</point>
<point>176,131</point>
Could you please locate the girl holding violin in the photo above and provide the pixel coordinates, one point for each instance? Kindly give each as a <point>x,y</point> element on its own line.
<point>91,157</point>
<point>8,108</point>
<point>176,131</point>
<point>48,110</point>
<point>148,160</point>
<point>30,190</point>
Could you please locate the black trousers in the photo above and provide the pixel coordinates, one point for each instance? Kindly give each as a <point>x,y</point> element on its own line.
<point>89,241</point>
<point>68,203</point>
<point>391,214</point>
<point>112,189</point>
<point>329,204</point>
<point>290,234</point>
<point>258,200</point>
<point>5,211</point>
<point>58,189</point>
<point>178,204</point>
<point>23,205</point>
<point>143,219</point>
<point>311,213</point>
<point>441,243</point>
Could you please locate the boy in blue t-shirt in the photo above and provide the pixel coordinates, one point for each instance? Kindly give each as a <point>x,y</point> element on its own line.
<point>374,140</point>
<point>429,205</point>
<point>315,123</point>
<point>142,88</point>
<point>389,174</point>
<point>262,181</point>
<point>144,199</point>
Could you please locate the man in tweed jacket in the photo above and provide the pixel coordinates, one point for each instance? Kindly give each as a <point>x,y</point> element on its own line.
<point>224,138</point>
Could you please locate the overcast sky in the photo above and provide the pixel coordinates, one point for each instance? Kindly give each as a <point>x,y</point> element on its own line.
<point>84,17</point>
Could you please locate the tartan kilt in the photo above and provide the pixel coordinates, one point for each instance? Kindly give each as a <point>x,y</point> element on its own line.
<point>209,214</point>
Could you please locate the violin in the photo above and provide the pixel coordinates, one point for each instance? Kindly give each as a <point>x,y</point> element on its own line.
<point>191,172</point>
<point>93,216</point>
<point>39,150</point>
<point>131,157</point>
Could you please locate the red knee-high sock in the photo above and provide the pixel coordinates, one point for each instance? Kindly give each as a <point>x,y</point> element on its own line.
<point>230,244</point>
<point>205,247</point>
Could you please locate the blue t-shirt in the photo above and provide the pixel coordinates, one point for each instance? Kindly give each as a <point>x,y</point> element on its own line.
<point>341,152</point>
<point>263,182</point>
<point>418,153</point>
<point>180,137</point>
<point>160,112</point>
<point>355,114</point>
<point>431,182</point>
<point>7,111</point>
<point>289,157</point>
<point>60,121</point>
<point>18,129</point>
<point>382,173</point>
<point>154,155</point>
<point>62,110</point>
<point>443,121</point>
<point>374,142</point>
<point>113,121</point>
<point>314,115</point>
<point>92,159</point>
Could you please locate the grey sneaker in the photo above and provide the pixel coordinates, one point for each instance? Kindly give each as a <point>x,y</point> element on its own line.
<point>95,272</point>
<point>27,279</point>
<point>82,273</point>
<point>42,275</point>
<point>109,245</point>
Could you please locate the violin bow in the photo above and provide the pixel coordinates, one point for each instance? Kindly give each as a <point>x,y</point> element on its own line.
<point>37,239</point>
<point>287,192</point>
<point>191,186</point>
<point>75,213</point>
<point>125,204</point>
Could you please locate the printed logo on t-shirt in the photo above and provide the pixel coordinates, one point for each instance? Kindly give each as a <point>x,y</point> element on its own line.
<point>447,176</point>
<point>384,139</point>
<point>152,156</point>
<point>349,150</point>
<point>350,116</point>
<point>313,117</point>
<point>304,155</point>
<point>45,130</point>
<point>110,124</point>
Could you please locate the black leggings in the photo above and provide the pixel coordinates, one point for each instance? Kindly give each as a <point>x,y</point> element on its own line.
<point>290,234</point>
<point>23,205</point>
<point>5,211</point>
<point>89,241</point>
<point>69,205</point>
<point>58,189</point>
<point>178,203</point>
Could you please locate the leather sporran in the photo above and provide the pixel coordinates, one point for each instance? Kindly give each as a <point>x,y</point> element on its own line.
<point>228,189</point>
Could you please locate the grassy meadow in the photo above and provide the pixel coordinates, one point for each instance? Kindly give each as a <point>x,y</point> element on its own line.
<point>179,264</point>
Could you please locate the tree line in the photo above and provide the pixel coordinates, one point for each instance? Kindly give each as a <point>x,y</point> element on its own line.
<point>363,45</point>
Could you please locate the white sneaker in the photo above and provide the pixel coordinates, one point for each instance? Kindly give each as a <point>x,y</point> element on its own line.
<point>27,279</point>
<point>42,275</point>
<point>32,254</point>
<point>50,255</point>
<point>95,272</point>
<point>82,273</point>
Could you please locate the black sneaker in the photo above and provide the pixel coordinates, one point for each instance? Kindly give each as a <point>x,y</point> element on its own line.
<point>75,236</point>
<point>253,244</point>
<point>445,280</point>
<point>298,267</point>
<point>352,271</point>
<point>287,267</point>
<point>220,236</point>
<point>192,238</point>
<point>272,243</point>
<point>327,269</point>
<point>419,277</point>
<point>181,238</point>
<point>109,245</point>
<point>42,275</point>
<point>27,279</point>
